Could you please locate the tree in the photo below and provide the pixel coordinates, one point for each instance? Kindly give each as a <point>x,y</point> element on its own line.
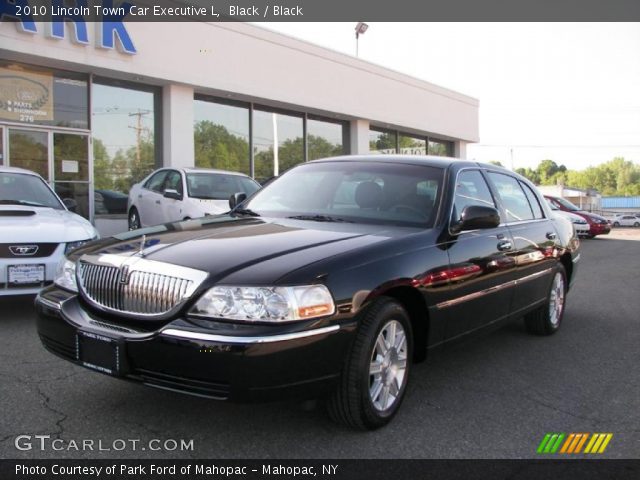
<point>496,162</point>
<point>216,147</point>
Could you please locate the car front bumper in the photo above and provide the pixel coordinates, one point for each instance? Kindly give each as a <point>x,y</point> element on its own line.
<point>185,357</point>
<point>599,228</point>
<point>50,264</point>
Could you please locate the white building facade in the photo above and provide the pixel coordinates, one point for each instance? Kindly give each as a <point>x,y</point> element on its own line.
<point>94,107</point>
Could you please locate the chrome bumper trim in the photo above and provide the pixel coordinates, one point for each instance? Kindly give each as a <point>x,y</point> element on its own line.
<point>49,303</point>
<point>576,259</point>
<point>209,337</point>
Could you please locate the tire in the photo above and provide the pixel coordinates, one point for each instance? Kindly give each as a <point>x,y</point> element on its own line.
<point>636,224</point>
<point>616,224</point>
<point>134,219</point>
<point>547,319</point>
<point>366,397</point>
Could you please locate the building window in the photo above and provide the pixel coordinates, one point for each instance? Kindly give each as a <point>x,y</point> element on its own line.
<point>382,141</point>
<point>41,96</point>
<point>277,143</point>
<point>410,145</point>
<point>441,148</point>
<point>325,138</point>
<point>124,137</point>
<point>221,135</point>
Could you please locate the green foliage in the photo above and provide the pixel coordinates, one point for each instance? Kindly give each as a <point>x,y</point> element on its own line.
<point>615,177</point>
<point>215,147</point>
<point>496,162</point>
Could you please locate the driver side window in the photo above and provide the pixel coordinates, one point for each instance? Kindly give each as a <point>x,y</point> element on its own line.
<point>471,189</point>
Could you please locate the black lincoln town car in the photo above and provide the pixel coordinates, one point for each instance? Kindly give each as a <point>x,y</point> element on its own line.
<point>329,282</point>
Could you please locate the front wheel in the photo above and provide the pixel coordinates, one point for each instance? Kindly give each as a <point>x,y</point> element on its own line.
<point>616,224</point>
<point>546,320</point>
<point>134,219</point>
<point>376,372</point>
<point>636,224</point>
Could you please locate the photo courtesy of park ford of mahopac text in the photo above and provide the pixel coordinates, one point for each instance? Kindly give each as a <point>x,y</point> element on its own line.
<point>302,239</point>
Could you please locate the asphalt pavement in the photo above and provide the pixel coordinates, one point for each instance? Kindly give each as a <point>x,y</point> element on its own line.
<point>490,397</point>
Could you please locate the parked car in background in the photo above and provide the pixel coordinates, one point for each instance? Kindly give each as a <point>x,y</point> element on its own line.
<point>36,230</point>
<point>580,225</point>
<point>169,195</point>
<point>330,281</point>
<point>110,202</point>
<point>598,225</point>
<point>625,221</point>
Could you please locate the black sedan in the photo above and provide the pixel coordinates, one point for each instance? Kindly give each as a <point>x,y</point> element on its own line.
<point>330,282</point>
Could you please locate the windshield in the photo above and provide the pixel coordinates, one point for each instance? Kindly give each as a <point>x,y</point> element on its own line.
<point>28,190</point>
<point>218,186</point>
<point>362,192</point>
<point>566,204</point>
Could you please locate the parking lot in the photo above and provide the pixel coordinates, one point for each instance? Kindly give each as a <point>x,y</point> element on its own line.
<point>489,397</point>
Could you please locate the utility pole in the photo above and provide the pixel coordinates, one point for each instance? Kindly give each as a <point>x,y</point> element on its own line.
<point>139,129</point>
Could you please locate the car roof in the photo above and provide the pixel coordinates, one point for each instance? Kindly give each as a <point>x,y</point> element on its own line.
<point>426,160</point>
<point>24,171</point>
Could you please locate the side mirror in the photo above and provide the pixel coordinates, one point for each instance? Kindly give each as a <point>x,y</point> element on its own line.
<point>71,204</point>
<point>237,199</point>
<point>476,217</point>
<point>171,193</point>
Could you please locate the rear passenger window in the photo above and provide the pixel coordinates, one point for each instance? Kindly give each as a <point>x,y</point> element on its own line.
<point>533,201</point>
<point>513,198</point>
<point>471,189</point>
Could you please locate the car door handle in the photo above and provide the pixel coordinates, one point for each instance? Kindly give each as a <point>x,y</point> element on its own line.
<point>158,202</point>
<point>551,235</point>
<point>140,196</point>
<point>505,245</point>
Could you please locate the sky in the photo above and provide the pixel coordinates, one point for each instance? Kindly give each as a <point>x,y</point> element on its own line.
<point>569,92</point>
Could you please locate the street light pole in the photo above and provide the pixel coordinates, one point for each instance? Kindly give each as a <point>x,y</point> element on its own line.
<point>360,29</point>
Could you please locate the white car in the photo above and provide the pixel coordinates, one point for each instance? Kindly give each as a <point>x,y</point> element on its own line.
<point>625,221</point>
<point>580,225</point>
<point>169,195</point>
<point>36,230</point>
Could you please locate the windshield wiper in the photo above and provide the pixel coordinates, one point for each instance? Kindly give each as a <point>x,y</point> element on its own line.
<point>246,211</point>
<point>320,218</point>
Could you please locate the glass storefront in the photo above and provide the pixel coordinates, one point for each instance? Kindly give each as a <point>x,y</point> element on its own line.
<point>225,131</point>
<point>29,149</point>
<point>71,171</point>
<point>391,141</point>
<point>221,136</point>
<point>410,145</point>
<point>326,139</point>
<point>382,141</point>
<point>277,143</point>
<point>123,126</point>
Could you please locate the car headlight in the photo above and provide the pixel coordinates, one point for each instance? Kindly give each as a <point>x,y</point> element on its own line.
<point>66,275</point>
<point>265,304</point>
<point>73,245</point>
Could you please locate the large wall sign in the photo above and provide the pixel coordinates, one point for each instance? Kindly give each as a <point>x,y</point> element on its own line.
<point>111,32</point>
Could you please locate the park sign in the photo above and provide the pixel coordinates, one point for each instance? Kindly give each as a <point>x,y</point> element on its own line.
<point>110,30</point>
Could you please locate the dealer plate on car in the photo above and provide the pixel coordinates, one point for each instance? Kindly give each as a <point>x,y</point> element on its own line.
<point>98,352</point>
<point>26,274</point>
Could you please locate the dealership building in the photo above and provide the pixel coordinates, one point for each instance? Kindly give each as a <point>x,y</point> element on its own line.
<point>93,107</point>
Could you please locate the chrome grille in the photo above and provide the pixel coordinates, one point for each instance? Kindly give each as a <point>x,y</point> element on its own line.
<point>137,288</point>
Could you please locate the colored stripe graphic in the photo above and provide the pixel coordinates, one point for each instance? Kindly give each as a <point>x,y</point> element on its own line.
<point>550,443</point>
<point>572,443</point>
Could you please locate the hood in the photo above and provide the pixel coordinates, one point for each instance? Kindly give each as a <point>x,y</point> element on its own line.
<point>38,224</point>
<point>592,216</point>
<point>572,217</point>
<point>225,245</point>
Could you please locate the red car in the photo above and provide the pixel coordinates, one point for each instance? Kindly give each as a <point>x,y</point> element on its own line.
<point>598,225</point>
